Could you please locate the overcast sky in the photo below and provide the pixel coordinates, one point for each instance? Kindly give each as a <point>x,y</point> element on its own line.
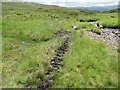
<point>74,3</point>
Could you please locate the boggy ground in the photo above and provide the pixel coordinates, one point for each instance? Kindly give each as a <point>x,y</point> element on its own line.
<point>56,61</point>
<point>32,36</point>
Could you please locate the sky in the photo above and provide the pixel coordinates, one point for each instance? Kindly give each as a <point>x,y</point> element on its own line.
<point>75,3</point>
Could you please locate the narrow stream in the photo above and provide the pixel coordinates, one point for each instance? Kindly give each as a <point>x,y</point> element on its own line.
<point>108,36</point>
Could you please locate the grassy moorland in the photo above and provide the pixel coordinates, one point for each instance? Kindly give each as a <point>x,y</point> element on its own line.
<point>106,20</point>
<point>87,64</point>
<point>29,42</point>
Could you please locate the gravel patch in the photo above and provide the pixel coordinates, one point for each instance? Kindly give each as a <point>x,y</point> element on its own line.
<point>108,36</point>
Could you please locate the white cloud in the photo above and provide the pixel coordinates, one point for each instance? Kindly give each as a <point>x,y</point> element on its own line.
<point>82,0</point>
<point>49,2</point>
<point>97,0</point>
<point>61,4</point>
<point>75,3</point>
<point>110,4</point>
<point>72,1</point>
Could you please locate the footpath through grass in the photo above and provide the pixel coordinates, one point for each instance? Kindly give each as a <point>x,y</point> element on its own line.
<point>87,64</point>
<point>29,42</point>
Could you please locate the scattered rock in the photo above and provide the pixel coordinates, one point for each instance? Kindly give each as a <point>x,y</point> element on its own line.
<point>109,38</point>
<point>112,16</point>
<point>75,27</point>
<point>97,24</point>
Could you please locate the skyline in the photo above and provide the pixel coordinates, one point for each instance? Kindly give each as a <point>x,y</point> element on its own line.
<point>73,3</point>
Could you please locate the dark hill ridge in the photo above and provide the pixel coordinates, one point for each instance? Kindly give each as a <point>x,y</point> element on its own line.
<point>50,8</point>
<point>99,8</point>
<point>112,11</point>
<point>96,8</point>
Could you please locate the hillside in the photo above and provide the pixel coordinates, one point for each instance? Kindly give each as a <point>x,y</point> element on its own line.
<point>51,47</point>
<point>99,8</point>
<point>117,10</point>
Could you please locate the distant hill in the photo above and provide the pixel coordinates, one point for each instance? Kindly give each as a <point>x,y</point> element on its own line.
<point>44,8</point>
<point>112,11</point>
<point>99,8</point>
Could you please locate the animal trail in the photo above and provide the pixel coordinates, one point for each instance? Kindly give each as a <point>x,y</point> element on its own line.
<point>55,62</point>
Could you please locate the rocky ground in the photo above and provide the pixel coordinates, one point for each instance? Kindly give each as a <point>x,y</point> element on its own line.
<point>108,36</point>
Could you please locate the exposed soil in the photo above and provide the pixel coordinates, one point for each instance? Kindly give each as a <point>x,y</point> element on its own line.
<point>109,36</point>
<point>56,61</point>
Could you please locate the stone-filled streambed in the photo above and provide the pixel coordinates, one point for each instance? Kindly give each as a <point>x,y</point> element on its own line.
<point>109,36</point>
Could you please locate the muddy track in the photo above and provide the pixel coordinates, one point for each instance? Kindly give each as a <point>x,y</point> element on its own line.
<point>55,62</point>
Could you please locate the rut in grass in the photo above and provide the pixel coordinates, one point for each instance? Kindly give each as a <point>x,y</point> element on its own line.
<point>55,63</point>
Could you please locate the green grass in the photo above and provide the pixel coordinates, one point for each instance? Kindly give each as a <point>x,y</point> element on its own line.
<point>29,42</point>
<point>81,26</point>
<point>87,65</point>
<point>104,19</point>
<point>89,18</point>
<point>22,63</point>
<point>110,23</point>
